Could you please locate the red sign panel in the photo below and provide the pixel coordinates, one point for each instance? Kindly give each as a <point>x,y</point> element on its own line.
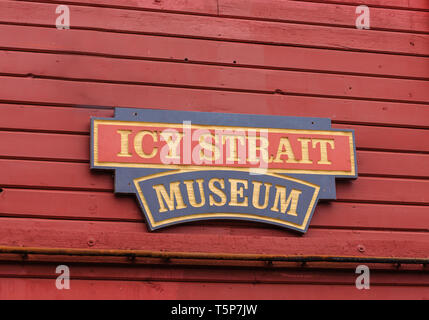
<point>156,145</point>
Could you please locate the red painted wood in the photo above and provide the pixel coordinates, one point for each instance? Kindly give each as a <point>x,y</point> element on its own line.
<point>109,145</point>
<point>127,235</point>
<point>42,91</point>
<point>46,174</point>
<point>66,147</point>
<point>51,198</point>
<point>209,5</point>
<point>191,75</point>
<point>219,28</point>
<point>75,120</point>
<point>72,204</point>
<point>213,52</point>
<point>378,189</point>
<point>393,164</point>
<point>341,15</point>
<point>405,4</point>
<point>54,119</point>
<point>288,275</point>
<point>325,13</point>
<point>23,288</point>
<point>194,6</point>
<point>52,174</point>
<point>389,138</point>
<point>107,206</point>
<point>367,137</point>
<point>44,145</point>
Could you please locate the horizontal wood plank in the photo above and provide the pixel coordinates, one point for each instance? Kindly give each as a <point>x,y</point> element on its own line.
<point>46,118</point>
<point>291,58</point>
<point>222,275</point>
<point>190,6</point>
<point>46,174</point>
<point>24,288</point>
<point>211,52</point>
<point>325,13</point>
<point>290,11</point>
<point>388,138</point>
<point>211,77</point>
<point>28,232</point>
<point>219,28</point>
<point>54,92</point>
<point>208,6</point>
<point>65,147</point>
<point>403,4</point>
<point>53,204</point>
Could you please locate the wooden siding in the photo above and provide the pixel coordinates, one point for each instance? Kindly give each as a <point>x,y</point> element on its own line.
<point>291,58</point>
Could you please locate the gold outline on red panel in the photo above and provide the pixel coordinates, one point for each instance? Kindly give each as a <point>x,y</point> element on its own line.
<point>224,214</point>
<point>349,134</point>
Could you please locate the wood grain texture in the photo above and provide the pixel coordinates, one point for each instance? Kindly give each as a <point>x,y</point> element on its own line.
<point>190,6</point>
<point>85,205</point>
<point>69,93</point>
<point>402,4</point>
<point>279,275</point>
<point>325,13</point>
<point>23,288</point>
<point>66,147</point>
<point>63,175</point>
<point>291,11</point>
<point>211,52</point>
<point>288,58</point>
<point>129,235</point>
<point>45,118</point>
<point>76,120</point>
<point>219,28</point>
<point>211,77</point>
<point>209,5</point>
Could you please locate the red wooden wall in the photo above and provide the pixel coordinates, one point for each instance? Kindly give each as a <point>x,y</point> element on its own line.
<point>292,58</point>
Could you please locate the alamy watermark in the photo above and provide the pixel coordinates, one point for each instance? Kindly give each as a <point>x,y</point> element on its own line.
<point>362,281</point>
<point>63,280</point>
<point>362,20</point>
<point>63,20</point>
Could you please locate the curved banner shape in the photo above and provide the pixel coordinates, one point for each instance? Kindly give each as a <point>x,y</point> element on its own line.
<point>180,196</point>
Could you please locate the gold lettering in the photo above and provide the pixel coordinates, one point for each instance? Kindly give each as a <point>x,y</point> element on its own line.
<point>292,200</point>
<point>285,149</point>
<point>175,194</point>
<point>209,147</point>
<point>323,149</point>
<point>172,145</point>
<point>138,144</point>
<point>191,193</point>
<point>263,149</point>
<point>256,191</point>
<point>238,192</point>
<point>217,192</point>
<point>124,143</point>
<point>304,151</point>
<point>232,138</point>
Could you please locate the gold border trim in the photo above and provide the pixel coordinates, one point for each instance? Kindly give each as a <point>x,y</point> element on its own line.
<point>224,214</point>
<point>97,163</point>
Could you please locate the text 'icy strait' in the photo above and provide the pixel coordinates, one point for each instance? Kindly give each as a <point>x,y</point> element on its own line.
<point>155,145</point>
